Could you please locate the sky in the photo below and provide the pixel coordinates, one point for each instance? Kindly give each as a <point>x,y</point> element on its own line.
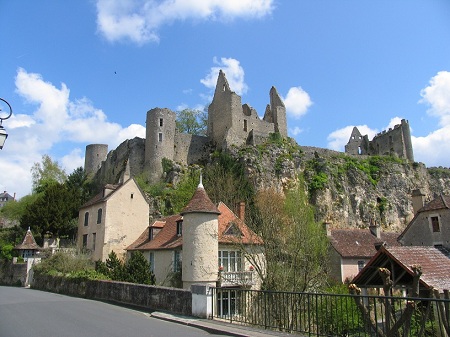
<point>85,72</point>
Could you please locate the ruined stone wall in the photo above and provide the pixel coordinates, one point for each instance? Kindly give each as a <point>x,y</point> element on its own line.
<point>190,149</point>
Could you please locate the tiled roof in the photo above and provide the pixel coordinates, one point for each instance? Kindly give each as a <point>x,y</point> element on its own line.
<point>441,202</point>
<point>231,230</point>
<point>200,202</point>
<point>435,264</point>
<point>359,242</point>
<point>28,242</point>
<point>100,196</point>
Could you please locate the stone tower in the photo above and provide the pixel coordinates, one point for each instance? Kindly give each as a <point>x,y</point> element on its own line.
<point>94,156</point>
<point>159,142</point>
<point>200,240</point>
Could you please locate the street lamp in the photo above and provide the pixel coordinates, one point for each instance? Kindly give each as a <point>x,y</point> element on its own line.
<point>3,134</point>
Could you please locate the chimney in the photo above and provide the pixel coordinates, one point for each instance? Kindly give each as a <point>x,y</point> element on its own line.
<point>418,200</point>
<point>327,227</point>
<point>375,230</point>
<point>241,211</point>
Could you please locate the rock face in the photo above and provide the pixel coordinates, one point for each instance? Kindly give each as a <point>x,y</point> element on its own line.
<point>350,191</point>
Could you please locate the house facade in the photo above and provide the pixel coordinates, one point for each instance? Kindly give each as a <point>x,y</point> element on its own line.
<point>351,249</point>
<point>112,220</point>
<point>205,244</point>
<point>431,223</point>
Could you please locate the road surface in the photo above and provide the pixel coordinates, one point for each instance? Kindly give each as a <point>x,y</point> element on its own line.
<point>29,312</point>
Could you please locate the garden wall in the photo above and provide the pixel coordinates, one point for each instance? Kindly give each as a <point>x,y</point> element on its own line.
<point>176,301</point>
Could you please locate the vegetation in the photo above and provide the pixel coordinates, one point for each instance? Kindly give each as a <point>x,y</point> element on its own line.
<point>192,121</point>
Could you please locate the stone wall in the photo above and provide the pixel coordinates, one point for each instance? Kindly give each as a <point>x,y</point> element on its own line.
<point>177,301</point>
<point>13,273</point>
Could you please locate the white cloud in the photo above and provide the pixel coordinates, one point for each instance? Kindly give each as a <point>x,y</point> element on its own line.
<point>295,131</point>
<point>339,138</point>
<point>432,149</point>
<point>55,120</point>
<point>297,102</point>
<point>140,20</point>
<point>233,72</point>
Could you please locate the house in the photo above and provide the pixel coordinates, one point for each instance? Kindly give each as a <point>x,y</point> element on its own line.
<point>5,197</point>
<point>431,223</point>
<point>112,220</point>
<point>434,263</point>
<point>351,249</point>
<point>28,248</point>
<point>206,244</point>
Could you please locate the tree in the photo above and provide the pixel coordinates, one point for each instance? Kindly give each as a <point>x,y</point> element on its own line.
<point>46,172</point>
<point>138,269</point>
<point>192,121</point>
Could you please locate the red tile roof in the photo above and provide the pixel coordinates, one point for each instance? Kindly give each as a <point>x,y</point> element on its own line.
<point>28,242</point>
<point>200,202</point>
<point>441,202</point>
<point>231,230</point>
<point>359,242</point>
<point>435,264</point>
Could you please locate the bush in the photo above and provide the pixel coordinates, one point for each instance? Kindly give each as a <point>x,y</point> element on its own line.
<point>64,264</point>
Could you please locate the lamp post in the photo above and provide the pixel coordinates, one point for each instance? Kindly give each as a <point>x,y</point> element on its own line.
<point>3,134</point>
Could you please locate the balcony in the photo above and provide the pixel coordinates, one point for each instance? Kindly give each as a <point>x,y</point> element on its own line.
<point>236,278</point>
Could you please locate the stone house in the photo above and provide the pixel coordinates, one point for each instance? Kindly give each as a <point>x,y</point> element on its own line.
<point>431,223</point>
<point>112,220</point>
<point>207,245</point>
<point>351,249</point>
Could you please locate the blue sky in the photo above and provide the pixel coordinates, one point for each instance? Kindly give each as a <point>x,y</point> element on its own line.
<point>82,72</point>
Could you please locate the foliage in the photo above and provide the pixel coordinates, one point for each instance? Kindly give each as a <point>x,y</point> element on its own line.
<point>192,121</point>
<point>64,263</point>
<point>135,270</point>
<point>167,165</point>
<point>14,210</point>
<point>52,212</point>
<point>6,252</point>
<point>46,173</point>
<point>295,246</point>
<point>318,181</point>
<point>439,172</point>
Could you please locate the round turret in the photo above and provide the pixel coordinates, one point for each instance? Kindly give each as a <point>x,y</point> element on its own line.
<point>94,156</point>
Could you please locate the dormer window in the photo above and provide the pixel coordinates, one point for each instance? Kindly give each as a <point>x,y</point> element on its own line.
<point>435,226</point>
<point>179,227</point>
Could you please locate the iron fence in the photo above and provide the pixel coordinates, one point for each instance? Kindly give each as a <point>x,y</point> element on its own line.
<point>318,314</point>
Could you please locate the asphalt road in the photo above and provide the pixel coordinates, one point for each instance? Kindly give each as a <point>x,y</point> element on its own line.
<point>28,312</point>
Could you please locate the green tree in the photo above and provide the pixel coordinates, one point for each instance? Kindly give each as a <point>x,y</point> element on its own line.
<point>14,210</point>
<point>45,173</point>
<point>138,269</point>
<point>192,121</point>
<point>52,212</point>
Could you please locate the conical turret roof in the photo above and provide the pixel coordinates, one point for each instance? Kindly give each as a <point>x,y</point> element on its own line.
<point>28,242</point>
<point>200,202</point>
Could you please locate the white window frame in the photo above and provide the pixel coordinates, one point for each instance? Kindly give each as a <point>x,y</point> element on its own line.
<point>231,260</point>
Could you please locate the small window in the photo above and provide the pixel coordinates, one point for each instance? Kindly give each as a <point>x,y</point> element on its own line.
<point>161,122</point>
<point>176,261</point>
<point>86,218</point>
<point>179,227</point>
<point>245,125</point>
<point>94,238</point>
<point>435,224</point>
<point>85,240</point>
<point>132,195</point>
<point>361,265</point>
<point>99,215</point>
<point>151,261</point>
<point>160,137</point>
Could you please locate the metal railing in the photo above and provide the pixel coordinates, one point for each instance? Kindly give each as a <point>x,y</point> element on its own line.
<point>316,314</point>
<point>236,278</point>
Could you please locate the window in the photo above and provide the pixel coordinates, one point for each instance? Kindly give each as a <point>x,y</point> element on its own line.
<point>230,260</point>
<point>361,265</point>
<point>85,240</point>
<point>94,238</point>
<point>179,227</point>
<point>245,125</point>
<point>177,261</point>
<point>160,137</point>
<point>435,224</point>
<point>132,195</point>
<point>227,303</point>
<point>161,122</point>
<point>99,215</point>
<point>86,218</point>
<point>151,261</point>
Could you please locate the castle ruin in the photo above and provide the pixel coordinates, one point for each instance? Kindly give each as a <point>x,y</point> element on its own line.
<point>229,124</point>
<point>393,142</point>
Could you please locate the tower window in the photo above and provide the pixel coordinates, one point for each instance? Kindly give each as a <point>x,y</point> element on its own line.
<point>160,136</point>
<point>160,122</point>
<point>245,125</point>
<point>179,227</point>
